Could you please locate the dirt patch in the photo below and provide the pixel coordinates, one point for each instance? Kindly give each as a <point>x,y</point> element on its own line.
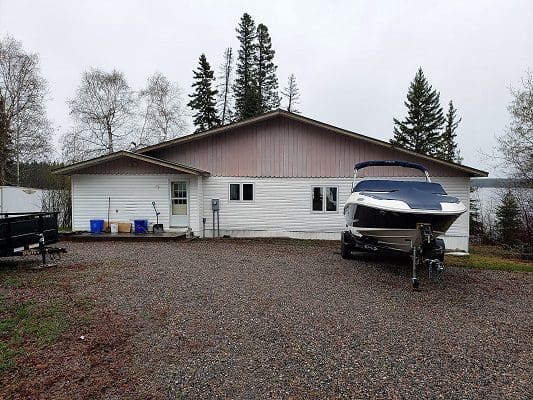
<point>96,366</point>
<point>61,345</point>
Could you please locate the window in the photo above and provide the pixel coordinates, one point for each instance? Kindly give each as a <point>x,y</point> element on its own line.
<point>247,191</point>
<point>318,194</point>
<point>324,199</point>
<point>331,199</point>
<point>241,191</point>
<point>234,191</point>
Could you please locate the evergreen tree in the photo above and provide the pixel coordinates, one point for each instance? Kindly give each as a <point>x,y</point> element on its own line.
<point>448,148</point>
<point>292,93</point>
<point>247,101</point>
<point>421,129</point>
<point>224,88</point>
<point>203,98</point>
<point>508,223</point>
<point>476,224</point>
<point>265,70</point>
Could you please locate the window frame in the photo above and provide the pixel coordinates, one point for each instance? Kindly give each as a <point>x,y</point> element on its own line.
<point>324,199</point>
<point>241,192</point>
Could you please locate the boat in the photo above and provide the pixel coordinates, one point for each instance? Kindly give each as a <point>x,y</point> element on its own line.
<point>399,215</point>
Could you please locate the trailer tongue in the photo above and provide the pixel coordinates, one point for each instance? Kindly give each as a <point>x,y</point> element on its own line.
<point>29,233</point>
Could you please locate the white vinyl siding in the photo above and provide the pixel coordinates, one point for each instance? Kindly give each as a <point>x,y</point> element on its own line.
<point>282,208</point>
<point>131,198</point>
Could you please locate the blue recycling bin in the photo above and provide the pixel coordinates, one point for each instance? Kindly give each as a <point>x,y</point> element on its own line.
<point>140,226</point>
<point>97,225</point>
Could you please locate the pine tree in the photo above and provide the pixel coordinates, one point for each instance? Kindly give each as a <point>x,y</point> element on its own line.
<point>421,129</point>
<point>292,93</point>
<point>224,88</point>
<point>508,223</point>
<point>203,98</point>
<point>265,69</point>
<point>247,102</point>
<point>476,224</point>
<point>448,148</point>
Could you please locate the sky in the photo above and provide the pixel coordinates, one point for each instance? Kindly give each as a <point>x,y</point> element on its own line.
<point>353,60</point>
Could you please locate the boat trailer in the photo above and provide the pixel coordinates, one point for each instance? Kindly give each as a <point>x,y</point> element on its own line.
<point>426,251</point>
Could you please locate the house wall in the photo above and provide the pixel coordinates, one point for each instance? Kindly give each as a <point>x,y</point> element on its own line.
<point>131,198</point>
<point>282,207</point>
<point>283,148</point>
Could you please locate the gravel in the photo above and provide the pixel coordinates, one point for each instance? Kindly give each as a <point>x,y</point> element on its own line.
<point>290,319</point>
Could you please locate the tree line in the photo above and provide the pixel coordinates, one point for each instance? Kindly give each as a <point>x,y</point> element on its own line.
<point>251,92</point>
<point>513,222</point>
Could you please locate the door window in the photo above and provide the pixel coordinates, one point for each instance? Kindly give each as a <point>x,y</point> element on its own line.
<point>179,198</point>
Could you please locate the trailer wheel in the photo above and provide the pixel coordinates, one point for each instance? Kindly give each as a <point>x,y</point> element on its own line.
<point>346,247</point>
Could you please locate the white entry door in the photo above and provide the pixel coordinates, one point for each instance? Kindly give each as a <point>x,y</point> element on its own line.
<point>179,204</point>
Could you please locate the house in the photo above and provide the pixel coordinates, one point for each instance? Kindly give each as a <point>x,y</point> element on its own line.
<point>278,174</point>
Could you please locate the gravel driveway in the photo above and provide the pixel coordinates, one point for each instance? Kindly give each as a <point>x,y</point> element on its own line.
<point>291,319</point>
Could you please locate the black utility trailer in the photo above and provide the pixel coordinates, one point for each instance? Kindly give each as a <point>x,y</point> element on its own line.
<point>29,234</point>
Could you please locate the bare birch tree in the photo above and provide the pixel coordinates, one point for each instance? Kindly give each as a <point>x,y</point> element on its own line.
<point>225,97</point>
<point>25,130</point>
<point>516,145</point>
<point>102,111</point>
<point>162,112</point>
<point>292,94</point>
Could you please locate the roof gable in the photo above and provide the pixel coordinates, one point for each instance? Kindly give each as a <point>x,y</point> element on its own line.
<point>249,124</point>
<point>137,162</point>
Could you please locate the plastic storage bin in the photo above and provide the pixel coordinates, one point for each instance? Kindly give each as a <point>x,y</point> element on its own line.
<point>140,226</point>
<point>97,225</point>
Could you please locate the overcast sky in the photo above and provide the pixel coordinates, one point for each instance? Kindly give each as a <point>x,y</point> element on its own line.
<point>353,60</point>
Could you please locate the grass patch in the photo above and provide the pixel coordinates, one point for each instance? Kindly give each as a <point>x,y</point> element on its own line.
<point>490,257</point>
<point>29,324</point>
<point>12,282</point>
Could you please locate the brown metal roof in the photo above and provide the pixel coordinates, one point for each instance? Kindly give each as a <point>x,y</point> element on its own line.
<point>73,168</point>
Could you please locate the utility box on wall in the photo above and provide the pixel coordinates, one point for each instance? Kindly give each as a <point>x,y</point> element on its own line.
<point>215,204</point>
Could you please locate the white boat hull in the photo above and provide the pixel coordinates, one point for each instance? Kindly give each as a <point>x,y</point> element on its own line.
<point>393,225</point>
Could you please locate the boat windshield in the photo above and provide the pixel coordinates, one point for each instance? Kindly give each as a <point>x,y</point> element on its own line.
<point>381,185</point>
